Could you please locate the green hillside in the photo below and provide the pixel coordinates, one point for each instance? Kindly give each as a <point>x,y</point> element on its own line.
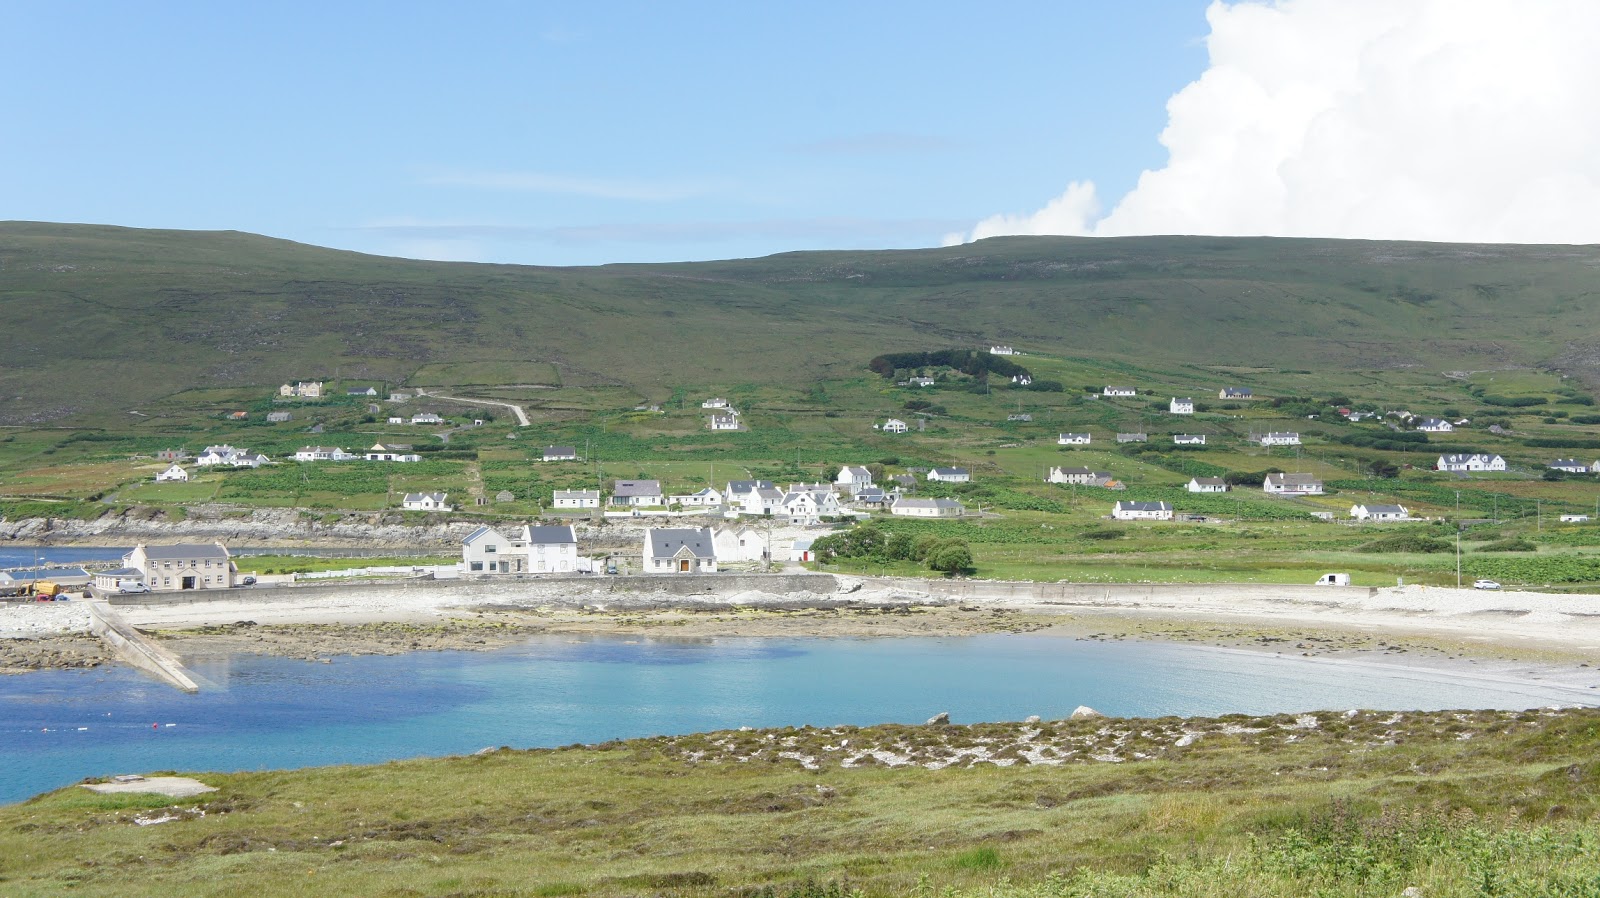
<point>105,319</point>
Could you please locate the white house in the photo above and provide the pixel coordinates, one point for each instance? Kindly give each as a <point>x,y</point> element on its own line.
<point>278,417</point>
<point>391,452</point>
<point>762,500</point>
<point>552,549</point>
<point>870,497</point>
<point>426,418</point>
<point>1078,476</point>
<point>1181,406</point>
<point>1022,380</point>
<point>735,492</point>
<point>1142,511</point>
<point>705,497</point>
<point>1136,437</point>
<point>1119,391</point>
<point>109,581</point>
<point>1207,485</point>
<point>575,499</point>
<point>853,478</point>
<point>1276,438</point>
<point>1570,465</point>
<point>739,544</point>
<point>1380,513</point>
<point>723,422</point>
<point>1001,350</point>
<point>399,396</point>
<point>1292,485</point>
<point>1236,393</point>
<point>669,550</point>
<point>805,507</point>
<point>1188,439</point>
<point>1435,425</point>
<point>324,453</point>
<point>560,453</point>
<point>230,456</point>
<point>717,402</point>
<point>425,502</point>
<point>921,382</point>
<point>636,493</point>
<point>927,508</point>
<point>1073,439</point>
<point>895,425</point>
<point>396,419</point>
<point>1475,461</point>
<point>950,475</point>
<point>182,566</point>
<point>487,551</point>
<point>175,473</point>
<point>1574,519</point>
<point>800,550</point>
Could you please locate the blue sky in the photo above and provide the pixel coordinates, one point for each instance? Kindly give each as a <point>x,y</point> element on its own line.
<point>582,133</point>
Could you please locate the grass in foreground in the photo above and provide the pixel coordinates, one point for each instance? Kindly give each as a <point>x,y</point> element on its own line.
<point>1455,804</point>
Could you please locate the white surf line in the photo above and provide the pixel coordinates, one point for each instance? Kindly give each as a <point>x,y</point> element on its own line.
<point>522,416</point>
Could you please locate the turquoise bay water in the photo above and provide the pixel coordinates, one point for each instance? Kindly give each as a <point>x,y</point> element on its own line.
<point>57,727</point>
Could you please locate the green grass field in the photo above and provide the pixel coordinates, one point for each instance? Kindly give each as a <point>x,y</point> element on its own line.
<point>1451,803</point>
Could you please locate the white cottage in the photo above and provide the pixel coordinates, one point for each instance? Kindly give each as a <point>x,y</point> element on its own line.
<point>1380,513</point>
<point>425,502</point>
<point>575,499</point>
<point>1142,511</point>
<point>1292,485</point>
<point>173,474</point>
<point>1073,439</point>
<point>927,508</point>
<point>1207,485</point>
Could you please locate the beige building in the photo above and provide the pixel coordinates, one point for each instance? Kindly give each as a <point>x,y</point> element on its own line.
<point>182,566</point>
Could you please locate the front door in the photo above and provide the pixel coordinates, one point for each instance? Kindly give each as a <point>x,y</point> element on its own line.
<point>683,565</point>
<point>188,583</point>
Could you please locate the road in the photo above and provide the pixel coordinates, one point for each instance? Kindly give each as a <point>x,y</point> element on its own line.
<point>522,416</point>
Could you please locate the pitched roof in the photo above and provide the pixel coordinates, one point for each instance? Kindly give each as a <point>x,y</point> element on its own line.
<point>558,451</point>
<point>479,533</point>
<point>179,551</point>
<point>553,534</point>
<point>946,472</point>
<point>637,488</point>
<point>1210,481</point>
<point>665,542</point>
<point>1144,506</point>
<point>1384,509</point>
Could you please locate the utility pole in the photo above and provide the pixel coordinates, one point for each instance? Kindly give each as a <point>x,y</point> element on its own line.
<point>1458,555</point>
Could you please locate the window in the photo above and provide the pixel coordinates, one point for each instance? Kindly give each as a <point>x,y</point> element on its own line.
<point>489,549</point>
<point>476,566</point>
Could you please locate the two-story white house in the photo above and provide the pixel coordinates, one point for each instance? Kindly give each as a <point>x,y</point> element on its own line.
<point>1073,439</point>
<point>679,550</point>
<point>1292,485</point>
<point>762,500</point>
<point>738,543</point>
<point>182,566</point>
<point>552,549</point>
<point>723,422</point>
<point>1078,476</point>
<point>1142,511</point>
<point>1473,461</point>
<point>1181,406</point>
<point>486,551</point>
<point>853,478</point>
<point>575,499</point>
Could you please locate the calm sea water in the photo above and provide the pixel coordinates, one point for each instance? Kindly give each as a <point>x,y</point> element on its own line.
<point>57,727</point>
<point>52,556</point>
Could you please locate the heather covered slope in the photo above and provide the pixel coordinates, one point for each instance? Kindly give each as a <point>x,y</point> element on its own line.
<point>103,319</point>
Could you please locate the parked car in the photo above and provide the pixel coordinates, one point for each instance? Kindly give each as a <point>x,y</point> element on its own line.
<point>247,581</point>
<point>1485,584</point>
<point>132,588</point>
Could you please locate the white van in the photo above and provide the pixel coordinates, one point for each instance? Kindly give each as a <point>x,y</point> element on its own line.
<point>1334,580</point>
<point>128,587</point>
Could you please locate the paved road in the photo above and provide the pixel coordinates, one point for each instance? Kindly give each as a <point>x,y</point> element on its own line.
<point>522,416</point>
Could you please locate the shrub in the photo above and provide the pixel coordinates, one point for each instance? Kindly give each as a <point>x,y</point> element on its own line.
<point>1509,545</point>
<point>1407,542</point>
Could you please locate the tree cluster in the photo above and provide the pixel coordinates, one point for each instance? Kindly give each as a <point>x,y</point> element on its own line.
<point>873,543</point>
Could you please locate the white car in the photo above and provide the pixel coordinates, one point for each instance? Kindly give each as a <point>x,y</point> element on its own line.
<point>132,588</point>
<point>1485,584</point>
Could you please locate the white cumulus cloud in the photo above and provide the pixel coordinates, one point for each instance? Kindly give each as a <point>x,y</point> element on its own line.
<point>1446,120</point>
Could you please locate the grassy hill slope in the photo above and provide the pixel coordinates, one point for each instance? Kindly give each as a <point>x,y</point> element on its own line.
<point>103,319</point>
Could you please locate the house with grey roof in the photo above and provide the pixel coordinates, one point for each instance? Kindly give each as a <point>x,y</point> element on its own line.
<point>1570,465</point>
<point>1292,485</point>
<point>1463,462</point>
<point>15,582</point>
<point>486,551</point>
<point>679,550</point>
<point>182,566</point>
<point>560,453</point>
<point>1135,437</point>
<point>1207,485</point>
<point>636,493</point>
<point>575,499</point>
<point>1073,439</point>
<point>927,508</point>
<point>1236,393</point>
<point>950,475</point>
<point>426,502</point>
<point>1142,511</point>
<point>1379,513</point>
<point>552,549</point>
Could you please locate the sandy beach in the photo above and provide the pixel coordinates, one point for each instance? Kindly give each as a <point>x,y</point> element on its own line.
<point>1524,635</point>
